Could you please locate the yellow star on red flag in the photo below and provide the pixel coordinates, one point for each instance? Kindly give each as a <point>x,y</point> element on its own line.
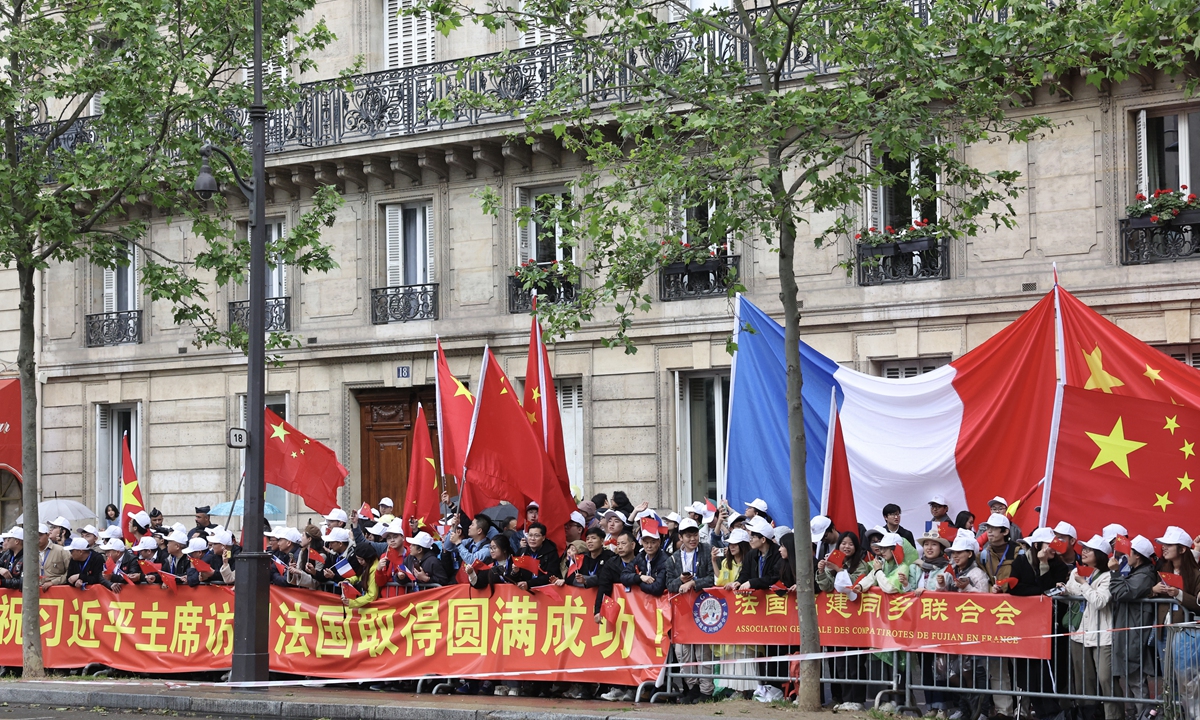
<point>1163,501</point>
<point>1099,379</point>
<point>280,432</point>
<point>1152,374</point>
<point>1172,424</point>
<point>1185,482</point>
<point>1187,449</point>
<point>1114,448</point>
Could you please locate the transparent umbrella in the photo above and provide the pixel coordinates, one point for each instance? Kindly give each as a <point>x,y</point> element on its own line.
<point>235,508</point>
<point>58,507</point>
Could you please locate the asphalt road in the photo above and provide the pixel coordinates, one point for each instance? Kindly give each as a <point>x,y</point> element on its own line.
<point>49,712</point>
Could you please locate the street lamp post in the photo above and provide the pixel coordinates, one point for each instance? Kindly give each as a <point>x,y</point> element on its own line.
<point>251,661</point>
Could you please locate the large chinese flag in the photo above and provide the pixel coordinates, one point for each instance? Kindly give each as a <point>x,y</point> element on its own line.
<point>455,408</point>
<point>505,460</point>
<point>301,465</point>
<point>1102,357</point>
<point>422,499</point>
<point>1125,459</point>
<point>541,406</point>
<point>131,492</point>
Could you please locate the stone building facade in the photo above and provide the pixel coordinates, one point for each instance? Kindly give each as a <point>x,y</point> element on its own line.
<point>418,259</point>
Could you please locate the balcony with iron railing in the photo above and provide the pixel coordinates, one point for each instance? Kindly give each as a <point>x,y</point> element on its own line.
<point>404,303</point>
<point>1145,241</point>
<point>279,314</point>
<point>918,259</point>
<point>712,277</point>
<point>558,290</point>
<point>123,327</point>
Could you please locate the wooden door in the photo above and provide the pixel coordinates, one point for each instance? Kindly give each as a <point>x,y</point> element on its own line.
<point>387,418</point>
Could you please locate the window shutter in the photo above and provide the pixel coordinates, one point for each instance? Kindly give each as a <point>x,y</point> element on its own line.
<point>429,244</point>
<point>1143,177</point>
<point>135,302</point>
<point>873,204</point>
<point>271,66</point>
<point>391,34</point>
<point>281,231</point>
<point>407,40</point>
<point>110,290</point>
<point>393,234</point>
<point>95,108</point>
<point>524,227</point>
<point>537,34</point>
<point>570,403</point>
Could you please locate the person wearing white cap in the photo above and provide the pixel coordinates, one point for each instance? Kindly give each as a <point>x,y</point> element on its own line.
<point>651,568</point>
<point>888,573</point>
<point>824,536</point>
<point>967,575</point>
<point>1065,531</point>
<point>1178,559</point>
<point>999,506</point>
<point>146,550</point>
<point>139,525</point>
<point>176,562</point>
<point>12,562</point>
<point>997,558</point>
<point>53,559</point>
<point>289,551</point>
<point>699,512</point>
<point>197,549</point>
<point>574,526</point>
<point>385,510</point>
<point>337,518</point>
<point>60,530</point>
<point>939,510</point>
<point>758,507</point>
<point>90,533</point>
<point>221,555</point>
<point>693,571</point>
<point>86,567</point>
<point>1091,644</point>
<point>423,563</point>
<point>763,566</point>
<point>1132,650</point>
<point>125,568</point>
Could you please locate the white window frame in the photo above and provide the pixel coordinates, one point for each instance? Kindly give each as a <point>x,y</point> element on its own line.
<point>570,410</point>
<point>271,66</point>
<point>113,299</point>
<point>397,243</point>
<point>273,494</point>
<point>277,271</point>
<point>874,196</point>
<point>109,467</point>
<point>407,40</point>
<point>527,230</point>
<point>911,367</point>
<point>683,431</point>
<point>1141,156</point>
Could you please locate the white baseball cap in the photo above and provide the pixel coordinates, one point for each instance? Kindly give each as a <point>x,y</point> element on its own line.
<point>43,529</point>
<point>1112,530</point>
<point>688,525</point>
<point>338,535</point>
<point>938,500</point>
<point>17,532</point>
<point>146,543</point>
<point>617,513</point>
<point>1042,535</point>
<point>337,515</point>
<point>90,530</point>
<point>113,545</point>
<point>196,544</point>
<point>780,531</point>
<point>396,527</point>
<point>1142,546</point>
<point>673,517</point>
<point>386,501</point>
<point>1176,535</point>
<point>180,527</point>
<point>178,537</point>
<point>758,504</point>
<point>77,543</point>
<point>291,534</point>
<point>223,538</point>
<point>578,518</point>
<point>533,504</point>
<point>141,517</point>
<point>890,540</point>
<point>61,522</point>
<point>964,541</point>
<point>1066,528</point>
<point>378,529</point>
<point>998,520</point>
<point>998,499</point>
<point>421,539</point>
<point>759,525</point>
<point>112,532</point>
<point>819,525</point>
<point>1099,543</point>
<point>738,535</point>
<point>644,534</point>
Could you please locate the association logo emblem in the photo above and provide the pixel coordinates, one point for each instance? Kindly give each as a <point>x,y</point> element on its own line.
<point>710,613</point>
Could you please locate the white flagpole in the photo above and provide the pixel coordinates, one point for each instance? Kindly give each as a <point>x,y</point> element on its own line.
<point>1061,372</point>
<point>829,436</point>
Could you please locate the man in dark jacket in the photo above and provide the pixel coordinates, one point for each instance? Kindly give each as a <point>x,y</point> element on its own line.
<point>590,572</point>
<point>546,552</point>
<point>620,567</point>
<point>1131,650</point>
<point>86,567</point>
<point>13,564</point>
<point>693,571</point>
<point>763,564</point>
<point>652,569</point>
<point>423,562</point>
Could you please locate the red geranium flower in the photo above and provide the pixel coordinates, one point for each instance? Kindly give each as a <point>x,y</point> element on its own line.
<point>871,230</point>
<point>889,229</point>
<point>1139,196</point>
<point>1153,218</point>
<point>858,236</point>
<point>1183,187</point>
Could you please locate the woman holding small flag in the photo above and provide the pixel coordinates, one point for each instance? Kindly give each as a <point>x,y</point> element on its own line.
<point>847,556</point>
<point>502,570</point>
<point>362,587</point>
<point>1091,645</point>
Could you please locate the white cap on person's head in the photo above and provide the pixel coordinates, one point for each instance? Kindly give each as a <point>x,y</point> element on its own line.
<point>1066,528</point>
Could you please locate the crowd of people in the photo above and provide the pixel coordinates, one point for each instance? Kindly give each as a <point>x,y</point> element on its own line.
<point>609,541</point>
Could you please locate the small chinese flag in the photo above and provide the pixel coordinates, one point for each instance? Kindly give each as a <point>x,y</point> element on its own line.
<point>527,562</point>
<point>898,554</point>
<point>1059,545</point>
<point>202,566</point>
<point>946,531</point>
<point>149,568</point>
<point>1084,570</point>
<point>651,525</point>
<point>480,566</point>
<point>110,566</point>
<point>779,587</point>
<point>349,591</point>
<point>364,512</point>
<point>169,580</point>
<point>837,558</point>
<point>576,564</point>
<point>279,566</point>
<point>1173,580</point>
<point>550,592</point>
<point>1122,545</point>
<point>315,557</point>
<point>610,610</point>
<point>952,570</point>
<point>1008,583</point>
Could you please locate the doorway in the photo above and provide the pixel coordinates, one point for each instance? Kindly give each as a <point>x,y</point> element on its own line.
<point>387,423</point>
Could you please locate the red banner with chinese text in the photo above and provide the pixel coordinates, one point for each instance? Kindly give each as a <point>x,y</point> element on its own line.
<point>453,631</point>
<point>992,624</point>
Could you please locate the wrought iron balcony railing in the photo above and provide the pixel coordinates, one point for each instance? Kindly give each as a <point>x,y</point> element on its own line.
<point>520,300</point>
<point>1144,242</point>
<point>682,281</point>
<point>113,328</point>
<point>403,303</point>
<point>921,259</point>
<point>279,314</point>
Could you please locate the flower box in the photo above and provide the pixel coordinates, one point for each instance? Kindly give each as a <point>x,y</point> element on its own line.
<point>918,245</point>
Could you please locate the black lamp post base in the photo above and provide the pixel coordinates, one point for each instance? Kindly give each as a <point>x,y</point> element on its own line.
<point>251,616</point>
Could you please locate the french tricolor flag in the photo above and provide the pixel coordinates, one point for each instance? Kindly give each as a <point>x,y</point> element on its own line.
<point>343,568</point>
<point>968,431</point>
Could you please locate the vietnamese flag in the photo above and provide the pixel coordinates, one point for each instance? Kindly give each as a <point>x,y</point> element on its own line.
<point>1124,457</point>
<point>541,407</point>
<point>131,493</point>
<point>301,465</point>
<point>422,498</point>
<point>506,460</point>
<point>455,408</point>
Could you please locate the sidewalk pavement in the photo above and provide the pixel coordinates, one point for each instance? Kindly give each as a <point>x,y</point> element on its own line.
<point>340,703</point>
